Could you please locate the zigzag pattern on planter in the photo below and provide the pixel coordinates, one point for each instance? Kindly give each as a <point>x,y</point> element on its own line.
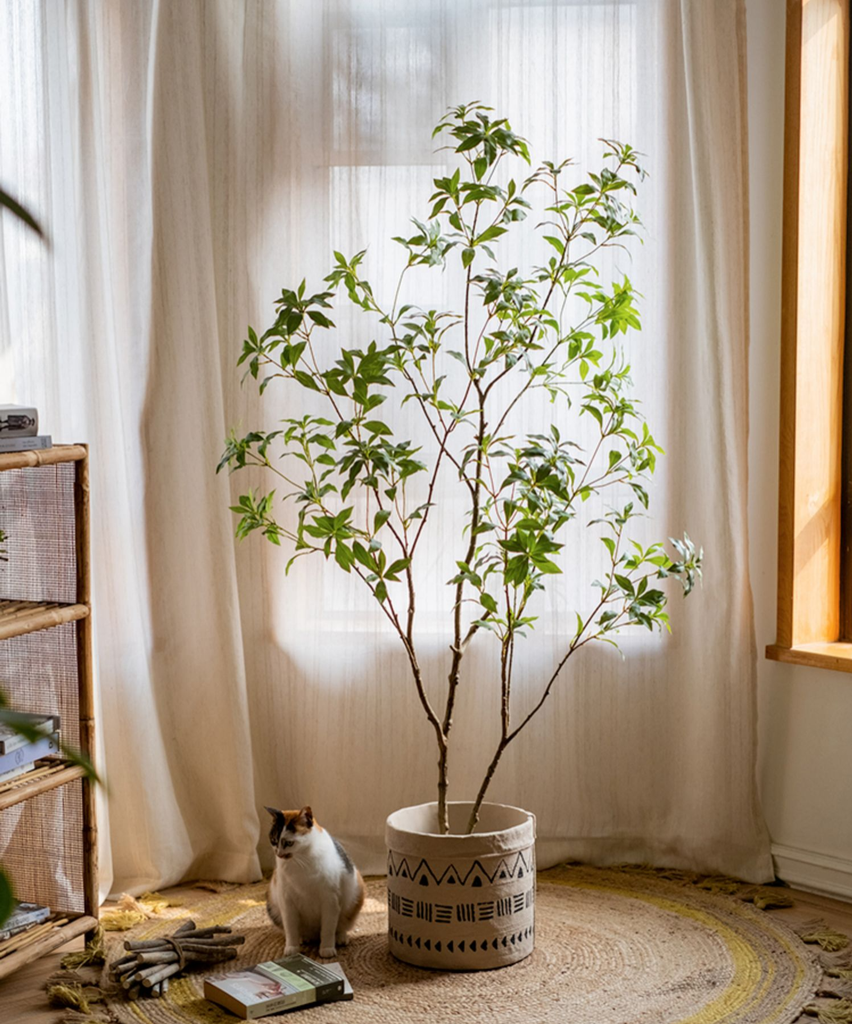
<point>518,868</point>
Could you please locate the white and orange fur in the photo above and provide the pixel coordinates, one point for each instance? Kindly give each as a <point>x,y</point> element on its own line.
<point>316,892</point>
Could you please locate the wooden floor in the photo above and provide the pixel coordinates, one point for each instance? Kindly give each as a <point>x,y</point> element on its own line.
<point>22,998</point>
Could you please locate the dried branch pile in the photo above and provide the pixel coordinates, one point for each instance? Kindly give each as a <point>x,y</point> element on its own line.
<point>149,965</point>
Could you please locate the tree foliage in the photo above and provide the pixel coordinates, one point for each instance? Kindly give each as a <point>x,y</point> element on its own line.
<point>512,338</point>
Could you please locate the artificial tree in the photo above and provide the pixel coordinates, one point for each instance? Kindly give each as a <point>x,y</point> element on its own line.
<point>513,329</point>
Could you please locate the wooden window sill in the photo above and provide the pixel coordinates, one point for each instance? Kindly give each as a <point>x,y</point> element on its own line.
<point>836,655</point>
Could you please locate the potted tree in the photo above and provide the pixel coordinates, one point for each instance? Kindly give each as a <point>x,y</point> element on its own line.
<point>460,874</point>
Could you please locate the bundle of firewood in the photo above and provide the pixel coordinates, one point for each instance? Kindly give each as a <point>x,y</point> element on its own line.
<point>149,965</point>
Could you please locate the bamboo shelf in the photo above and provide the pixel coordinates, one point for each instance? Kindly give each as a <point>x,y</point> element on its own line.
<point>46,508</point>
<point>44,777</point>
<point>19,617</point>
<point>44,938</point>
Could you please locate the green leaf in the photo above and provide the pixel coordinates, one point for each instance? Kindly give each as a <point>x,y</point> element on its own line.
<point>7,899</point>
<point>493,232</point>
<point>377,427</point>
<point>625,584</point>
<point>381,591</point>
<point>21,212</point>
<point>343,556</point>
<point>488,602</point>
<point>397,567</point>
<point>363,556</point>
<point>306,380</point>
<point>467,256</point>
<point>380,519</point>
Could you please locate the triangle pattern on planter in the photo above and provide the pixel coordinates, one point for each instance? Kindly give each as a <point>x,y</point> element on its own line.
<point>507,867</point>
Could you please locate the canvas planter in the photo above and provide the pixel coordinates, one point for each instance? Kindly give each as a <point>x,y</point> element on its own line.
<point>461,902</point>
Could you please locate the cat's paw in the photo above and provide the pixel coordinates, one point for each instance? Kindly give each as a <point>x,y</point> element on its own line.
<point>328,952</point>
<point>292,950</point>
<point>342,940</point>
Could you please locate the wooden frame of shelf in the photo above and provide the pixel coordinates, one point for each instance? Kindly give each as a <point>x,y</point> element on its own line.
<point>809,627</point>
<point>16,619</point>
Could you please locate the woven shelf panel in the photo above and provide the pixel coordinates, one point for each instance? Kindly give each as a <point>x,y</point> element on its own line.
<point>38,672</point>
<point>41,848</point>
<point>37,514</point>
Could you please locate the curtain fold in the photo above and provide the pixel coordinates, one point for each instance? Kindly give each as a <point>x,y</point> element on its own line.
<point>191,158</point>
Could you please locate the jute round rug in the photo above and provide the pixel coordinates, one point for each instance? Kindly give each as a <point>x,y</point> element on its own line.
<point>613,946</point>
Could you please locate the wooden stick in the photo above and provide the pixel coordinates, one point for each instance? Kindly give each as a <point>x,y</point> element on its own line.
<point>124,960</point>
<point>30,936</point>
<point>44,457</point>
<point>57,936</point>
<point>203,933</point>
<point>214,941</point>
<point>168,956</point>
<point>15,795</point>
<point>162,972</point>
<point>85,676</point>
<point>125,968</point>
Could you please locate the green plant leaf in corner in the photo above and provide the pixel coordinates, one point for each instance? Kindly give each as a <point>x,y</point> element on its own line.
<point>21,212</point>
<point>7,900</point>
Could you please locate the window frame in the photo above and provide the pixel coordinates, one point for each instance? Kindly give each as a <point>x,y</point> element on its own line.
<point>809,628</point>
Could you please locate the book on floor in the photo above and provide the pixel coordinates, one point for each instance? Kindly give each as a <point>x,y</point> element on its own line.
<point>11,740</point>
<point>28,754</point>
<point>277,986</point>
<point>25,444</point>
<point>23,917</point>
<point>18,421</point>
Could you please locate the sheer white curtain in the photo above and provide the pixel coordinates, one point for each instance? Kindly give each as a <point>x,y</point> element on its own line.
<point>191,158</point>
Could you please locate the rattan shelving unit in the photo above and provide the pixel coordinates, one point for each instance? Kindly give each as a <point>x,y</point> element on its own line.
<point>48,830</point>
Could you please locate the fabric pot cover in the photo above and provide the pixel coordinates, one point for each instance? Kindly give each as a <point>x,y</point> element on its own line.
<point>461,902</point>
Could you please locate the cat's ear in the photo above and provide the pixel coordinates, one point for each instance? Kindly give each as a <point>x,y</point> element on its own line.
<point>307,815</point>
<point>273,812</point>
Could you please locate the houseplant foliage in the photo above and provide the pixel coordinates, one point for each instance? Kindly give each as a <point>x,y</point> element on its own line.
<point>365,495</point>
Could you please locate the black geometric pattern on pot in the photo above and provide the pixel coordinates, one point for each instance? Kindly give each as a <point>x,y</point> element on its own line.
<point>442,913</point>
<point>486,910</point>
<point>466,912</point>
<point>462,945</point>
<point>518,866</point>
<point>401,904</point>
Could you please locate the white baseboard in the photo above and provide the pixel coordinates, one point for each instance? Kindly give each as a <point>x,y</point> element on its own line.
<point>814,872</point>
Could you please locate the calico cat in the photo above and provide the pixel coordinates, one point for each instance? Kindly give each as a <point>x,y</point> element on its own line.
<point>316,891</point>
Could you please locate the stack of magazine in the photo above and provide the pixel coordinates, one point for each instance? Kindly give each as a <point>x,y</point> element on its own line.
<point>18,753</point>
<point>19,429</point>
<point>277,986</point>
<point>25,916</point>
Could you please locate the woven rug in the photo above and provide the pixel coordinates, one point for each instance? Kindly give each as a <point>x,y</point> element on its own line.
<point>613,946</point>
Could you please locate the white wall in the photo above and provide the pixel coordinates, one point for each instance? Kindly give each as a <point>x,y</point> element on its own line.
<point>805,715</point>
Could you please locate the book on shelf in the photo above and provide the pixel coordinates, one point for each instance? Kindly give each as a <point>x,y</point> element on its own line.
<point>18,421</point>
<point>22,759</point>
<point>23,917</point>
<point>11,740</point>
<point>25,444</point>
<point>277,986</point>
